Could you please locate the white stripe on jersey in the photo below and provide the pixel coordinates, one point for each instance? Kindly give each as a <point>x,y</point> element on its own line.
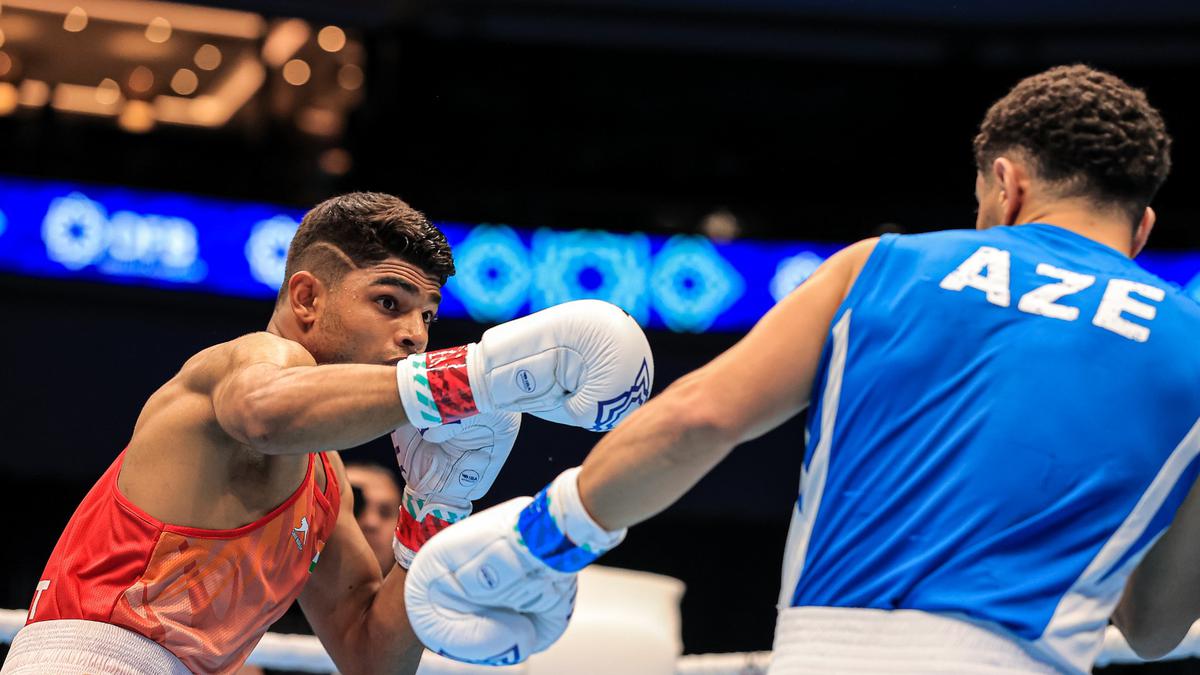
<point>1076,631</point>
<point>812,479</point>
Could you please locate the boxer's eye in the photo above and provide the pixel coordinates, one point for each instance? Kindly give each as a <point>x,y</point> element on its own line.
<point>387,302</point>
<point>429,317</point>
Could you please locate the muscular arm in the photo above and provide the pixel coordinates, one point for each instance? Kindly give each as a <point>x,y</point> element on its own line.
<point>1162,597</point>
<point>358,615</point>
<point>664,448</point>
<point>269,393</point>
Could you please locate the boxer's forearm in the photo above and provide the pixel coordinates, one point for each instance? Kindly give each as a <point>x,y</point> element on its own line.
<point>307,408</point>
<point>1162,596</point>
<point>382,641</point>
<point>387,636</point>
<point>665,448</point>
<point>1154,614</point>
<point>654,457</point>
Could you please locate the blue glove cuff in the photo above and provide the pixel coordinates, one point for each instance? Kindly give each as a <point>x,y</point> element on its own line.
<point>546,540</point>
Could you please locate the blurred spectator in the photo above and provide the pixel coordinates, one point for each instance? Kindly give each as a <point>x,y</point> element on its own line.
<point>376,506</point>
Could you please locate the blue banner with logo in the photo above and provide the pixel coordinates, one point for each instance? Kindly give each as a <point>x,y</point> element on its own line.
<point>684,283</point>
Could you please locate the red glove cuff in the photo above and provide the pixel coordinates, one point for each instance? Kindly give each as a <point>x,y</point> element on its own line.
<point>413,533</point>
<point>449,384</point>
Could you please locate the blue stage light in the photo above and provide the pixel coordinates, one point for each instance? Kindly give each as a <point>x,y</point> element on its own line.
<point>685,283</point>
<point>792,271</point>
<point>493,274</point>
<point>693,284</point>
<point>78,232</point>
<point>266,249</point>
<point>591,264</point>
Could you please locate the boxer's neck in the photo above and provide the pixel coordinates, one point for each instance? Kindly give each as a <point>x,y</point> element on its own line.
<point>284,325</point>
<point>1102,226</point>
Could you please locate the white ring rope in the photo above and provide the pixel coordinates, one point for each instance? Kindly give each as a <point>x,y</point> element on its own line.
<point>304,652</point>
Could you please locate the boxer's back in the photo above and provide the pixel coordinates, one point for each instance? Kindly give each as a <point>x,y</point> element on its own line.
<point>1000,427</point>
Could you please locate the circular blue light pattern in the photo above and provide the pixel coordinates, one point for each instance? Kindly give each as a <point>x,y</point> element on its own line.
<point>591,264</point>
<point>3,223</point>
<point>78,232</point>
<point>792,271</point>
<point>692,284</point>
<point>493,274</point>
<point>52,229</point>
<point>73,231</point>
<point>267,247</point>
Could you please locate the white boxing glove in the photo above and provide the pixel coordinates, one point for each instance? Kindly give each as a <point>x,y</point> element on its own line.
<point>500,586</point>
<point>445,469</point>
<point>585,363</point>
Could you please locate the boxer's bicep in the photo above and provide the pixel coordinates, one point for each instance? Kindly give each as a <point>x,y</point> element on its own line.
<point>249,365</point>
<point>1162,597</point>
<point>774,365</point>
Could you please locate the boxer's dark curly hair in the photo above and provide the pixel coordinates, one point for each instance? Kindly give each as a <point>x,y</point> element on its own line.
<point>365,228</point>
<point>1088,133</point>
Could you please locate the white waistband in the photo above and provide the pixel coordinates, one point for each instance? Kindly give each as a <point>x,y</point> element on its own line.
<point>75,647</point>
<point>836,641</point>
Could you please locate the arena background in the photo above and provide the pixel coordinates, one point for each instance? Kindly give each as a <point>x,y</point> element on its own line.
<point>749,119</point>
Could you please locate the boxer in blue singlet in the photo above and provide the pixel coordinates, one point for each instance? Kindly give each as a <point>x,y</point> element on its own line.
<point>1001,422</point>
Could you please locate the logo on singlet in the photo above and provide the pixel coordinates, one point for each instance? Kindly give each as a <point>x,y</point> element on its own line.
<point>300,534</point>
<point>313,565</point>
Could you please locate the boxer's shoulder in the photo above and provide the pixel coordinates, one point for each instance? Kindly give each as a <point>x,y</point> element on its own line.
<point>854,257</point>
<point>203,371</point>
<point>264,347</point>
<point>182,409</point>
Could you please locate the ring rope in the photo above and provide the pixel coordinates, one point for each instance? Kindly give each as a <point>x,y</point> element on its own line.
<point>304,653</point>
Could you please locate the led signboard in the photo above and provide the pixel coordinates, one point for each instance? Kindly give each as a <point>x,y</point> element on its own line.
<point>683,283</point>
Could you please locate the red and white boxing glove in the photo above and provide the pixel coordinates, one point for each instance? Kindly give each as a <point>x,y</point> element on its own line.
<point>584,363</point>
<point>445,469</point>
<point>500,586</point>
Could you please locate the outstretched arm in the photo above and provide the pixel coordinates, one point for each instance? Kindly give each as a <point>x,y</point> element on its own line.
<point>358,615</point>
<point>531,548</point>
<point>270,394</point>
<point>664,448</point>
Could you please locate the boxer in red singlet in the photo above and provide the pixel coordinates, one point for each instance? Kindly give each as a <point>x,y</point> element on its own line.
<point>222,510</point>
<point>226,505</point>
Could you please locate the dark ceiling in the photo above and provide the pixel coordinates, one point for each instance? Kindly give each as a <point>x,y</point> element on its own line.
<point>811,119</point>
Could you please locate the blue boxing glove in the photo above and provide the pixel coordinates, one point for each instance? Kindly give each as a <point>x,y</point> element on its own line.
<point>500,586</point>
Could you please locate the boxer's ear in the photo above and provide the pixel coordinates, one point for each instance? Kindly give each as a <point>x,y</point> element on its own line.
<point>1141,232</point>
<point>304,297</point>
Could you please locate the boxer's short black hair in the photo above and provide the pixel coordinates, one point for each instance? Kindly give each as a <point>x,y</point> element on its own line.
<point>1087,132</point>
<point>366,228</point>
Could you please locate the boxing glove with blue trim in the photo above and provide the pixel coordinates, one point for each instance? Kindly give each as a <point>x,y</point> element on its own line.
<point>585,363</point>
<point>500,586</point>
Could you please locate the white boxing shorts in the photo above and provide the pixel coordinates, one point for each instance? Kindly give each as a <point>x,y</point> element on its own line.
<point>75,647</point>
<point>837,641</point>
